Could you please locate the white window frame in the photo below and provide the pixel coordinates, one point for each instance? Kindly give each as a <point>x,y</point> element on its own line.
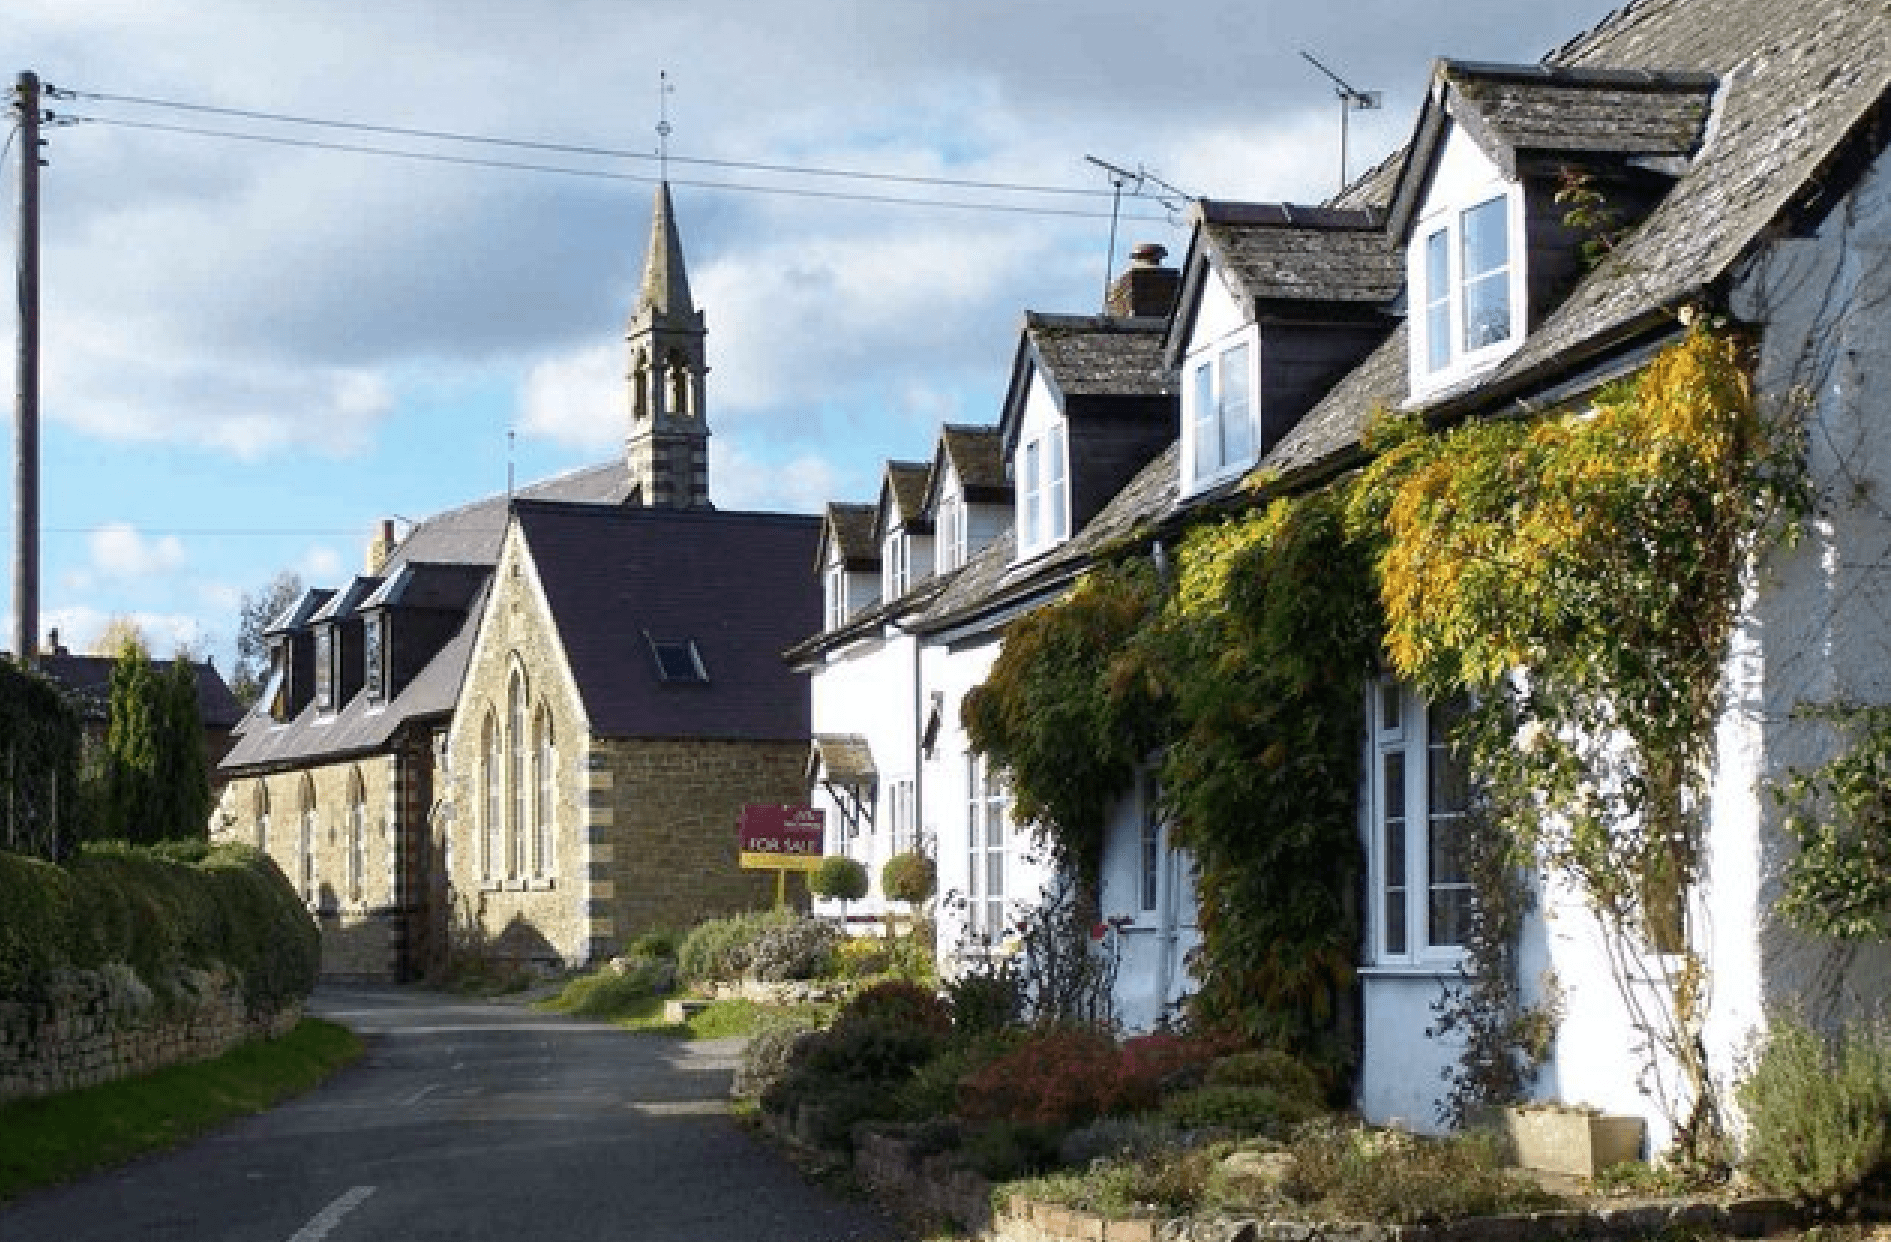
<point>1206,376</point>
<point>1043,467</point>
<point>1405,742</point>
<point>950,526</point>
<point>900,807</point>
<point>896,564</point>
<point>1434,309</point>
<point>989,832</point>
<point>836,594</point>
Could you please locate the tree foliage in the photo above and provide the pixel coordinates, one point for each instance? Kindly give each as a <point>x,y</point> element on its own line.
<point>157,777</point>
<point>1839,883</point>
<point>254,615</point>
<point>42,734</point>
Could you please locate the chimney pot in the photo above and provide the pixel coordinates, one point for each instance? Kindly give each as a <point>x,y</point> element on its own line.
<point>1149,254</point>
<point>1145,289</point>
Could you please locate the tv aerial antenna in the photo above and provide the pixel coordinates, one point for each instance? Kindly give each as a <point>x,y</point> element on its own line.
<point>1136,180</point>
<point>1351,99</point>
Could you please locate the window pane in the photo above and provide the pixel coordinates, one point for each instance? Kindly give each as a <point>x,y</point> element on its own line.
<point>1392,831</point>
<point>1391,701</point>
<point>1237,419</point>
<point>1030,494</point>
<point>1437,303</point>
<point>1054,493</point>
<point>1207,438</point>
<point>1486,258</point>
<point>1448,790</point>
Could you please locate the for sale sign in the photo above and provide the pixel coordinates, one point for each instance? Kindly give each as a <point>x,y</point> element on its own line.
<point>782,838</point>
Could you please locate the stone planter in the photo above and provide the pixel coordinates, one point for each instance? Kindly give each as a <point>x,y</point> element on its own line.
<point>1572,1141</point>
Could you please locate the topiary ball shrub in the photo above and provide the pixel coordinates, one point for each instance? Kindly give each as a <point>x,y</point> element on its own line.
<point>911,877</point>
<point>801,948</point>
<point>839,878</point>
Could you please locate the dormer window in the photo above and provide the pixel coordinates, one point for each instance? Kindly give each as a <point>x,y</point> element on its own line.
<point>325,678</point>
<point>949,532</point>
<point>1464,266</point>
<point>1221,413</point>
<point>373,646</point>
<point>1043,491</point>
<point>896,565</point>
<point>836,595</point>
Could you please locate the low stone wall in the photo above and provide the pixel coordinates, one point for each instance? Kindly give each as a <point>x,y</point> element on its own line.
<point>91,1027</point>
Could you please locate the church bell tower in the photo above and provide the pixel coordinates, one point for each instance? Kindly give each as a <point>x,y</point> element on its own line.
<point>668,447</point>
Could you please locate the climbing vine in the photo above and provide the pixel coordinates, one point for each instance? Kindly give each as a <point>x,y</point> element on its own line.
<point>41,745</point>
<point>1839,883</point>
<point>1577,575</point>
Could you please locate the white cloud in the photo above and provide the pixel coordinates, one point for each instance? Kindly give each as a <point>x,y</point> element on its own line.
<point>320,564</point>
<point>80,628</point>
<point>738,480</point>
<point>119,549</point>
<point>577,399</point>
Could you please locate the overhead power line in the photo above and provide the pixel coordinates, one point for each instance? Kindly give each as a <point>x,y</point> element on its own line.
<point>436,157</point>
<point>558,148</point>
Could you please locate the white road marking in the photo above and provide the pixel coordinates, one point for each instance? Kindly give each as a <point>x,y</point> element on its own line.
<point>325,1220</point>
<point>420,1095</point>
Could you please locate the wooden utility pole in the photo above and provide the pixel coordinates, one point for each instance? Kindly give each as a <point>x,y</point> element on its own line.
<point>26,399</point>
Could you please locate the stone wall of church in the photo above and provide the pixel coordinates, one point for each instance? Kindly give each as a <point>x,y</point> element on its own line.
<point>353,888</point>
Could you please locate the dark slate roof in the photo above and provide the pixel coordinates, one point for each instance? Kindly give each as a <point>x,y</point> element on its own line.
<point>907,481</point>
<point>300,610</point>
<point>1540,108</point>
<point>990,583</point>
<point>89,677</point>
<point>347,601</point>
<point>736,584</point>
<point>1795,80</point>
<point>1099,355</point>
<point>360,727</point>
<point>424,585</point>
<point>849,527</point>
<point>1277,252</point>
<point>871,620</point>
<point>977,455</point>
<point>473,534</point>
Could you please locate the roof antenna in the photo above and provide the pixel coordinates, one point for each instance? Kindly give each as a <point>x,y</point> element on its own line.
<point>1350,100</point>
<point>664,91</point>
<point>1119,177</point>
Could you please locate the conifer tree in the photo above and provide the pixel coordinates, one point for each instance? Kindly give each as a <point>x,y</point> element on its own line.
<point>131,748</point>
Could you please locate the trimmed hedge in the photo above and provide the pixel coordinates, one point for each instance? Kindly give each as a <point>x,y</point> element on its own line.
<point>160,911</point>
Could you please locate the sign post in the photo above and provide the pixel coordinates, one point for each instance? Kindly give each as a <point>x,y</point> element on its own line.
<point>782,839</point>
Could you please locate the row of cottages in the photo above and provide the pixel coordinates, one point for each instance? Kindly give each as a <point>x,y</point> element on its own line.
<point>527,731</point>
<point>1742,143</point>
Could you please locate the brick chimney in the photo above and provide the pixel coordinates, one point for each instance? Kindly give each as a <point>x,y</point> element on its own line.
<point>1146,288</point>
<point>381,546</point>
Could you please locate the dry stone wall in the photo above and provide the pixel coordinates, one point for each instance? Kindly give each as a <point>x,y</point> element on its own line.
<point>94,1026</point>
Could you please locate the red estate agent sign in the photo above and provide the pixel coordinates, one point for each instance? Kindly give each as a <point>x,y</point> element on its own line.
<point>783,838</point>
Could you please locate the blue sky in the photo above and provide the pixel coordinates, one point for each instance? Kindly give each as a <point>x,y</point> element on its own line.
<point>252,351</point>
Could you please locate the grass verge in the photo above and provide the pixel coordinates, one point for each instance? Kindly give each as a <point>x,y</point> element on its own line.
<point>56,1138</point>
<point>614,999</point>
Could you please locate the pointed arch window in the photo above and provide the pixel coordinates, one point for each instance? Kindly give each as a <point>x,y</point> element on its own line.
<point>544,812</point>
<point>357,834</point>
<point>515,775</point>
<point>262,816</point>
<point>306,846</point>
<point>489,796</point>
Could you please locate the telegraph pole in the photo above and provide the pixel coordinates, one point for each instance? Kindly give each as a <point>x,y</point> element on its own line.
<point>26,392</point>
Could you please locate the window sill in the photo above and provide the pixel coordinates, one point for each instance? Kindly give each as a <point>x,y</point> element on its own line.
<point>1437,968</point>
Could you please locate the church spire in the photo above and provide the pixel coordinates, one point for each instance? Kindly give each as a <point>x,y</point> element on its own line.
<point>668,448</point>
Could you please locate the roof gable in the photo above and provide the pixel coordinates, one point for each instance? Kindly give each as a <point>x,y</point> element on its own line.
<point>847,531</point>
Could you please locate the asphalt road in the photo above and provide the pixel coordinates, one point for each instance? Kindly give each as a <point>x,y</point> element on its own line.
<point>470,1121</point>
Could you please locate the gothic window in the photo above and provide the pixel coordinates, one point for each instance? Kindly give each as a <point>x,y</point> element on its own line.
<point>679,386</point>
<point>515,775</point>
<point>307,842</point>
<point>640,387</point>
<point>544,814</point>
<point>357,835</point>
<point>262,816</point>
<point>491,812</point>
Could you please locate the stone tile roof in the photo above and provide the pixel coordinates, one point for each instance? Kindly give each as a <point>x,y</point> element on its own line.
<point>872,619</point>
<point>736,584</point>
<point>850,528</point>
<point>1275,252</point>
<point>908,481</point>
<point>977,455</point>
<point>1511,109</point>
<point>847,758</point>
<point>1100,355</point>
<point>89,677</point>
<point>1795,80</point>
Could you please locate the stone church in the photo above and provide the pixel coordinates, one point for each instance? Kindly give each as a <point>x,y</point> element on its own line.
<point>526,731</point>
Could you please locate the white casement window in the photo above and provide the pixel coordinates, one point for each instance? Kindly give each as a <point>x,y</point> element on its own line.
<point>949,526</point>
<point>516,787</point>
<point>1043,491</point>
<point>1421,791</point>
<point>1220,401</point>
<point>896,566</point>
<point>900,807</point>
<point>836,595</point>
<point>988,830</point>
<point>545,758</point>
<point>491,796</point>
<point>357,836</point>
<point>1465,269</point>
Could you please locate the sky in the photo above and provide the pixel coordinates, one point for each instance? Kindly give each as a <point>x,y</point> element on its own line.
<point>252,351</point>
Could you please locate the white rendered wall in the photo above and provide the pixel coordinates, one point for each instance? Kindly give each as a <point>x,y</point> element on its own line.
<point>1153,946</point>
